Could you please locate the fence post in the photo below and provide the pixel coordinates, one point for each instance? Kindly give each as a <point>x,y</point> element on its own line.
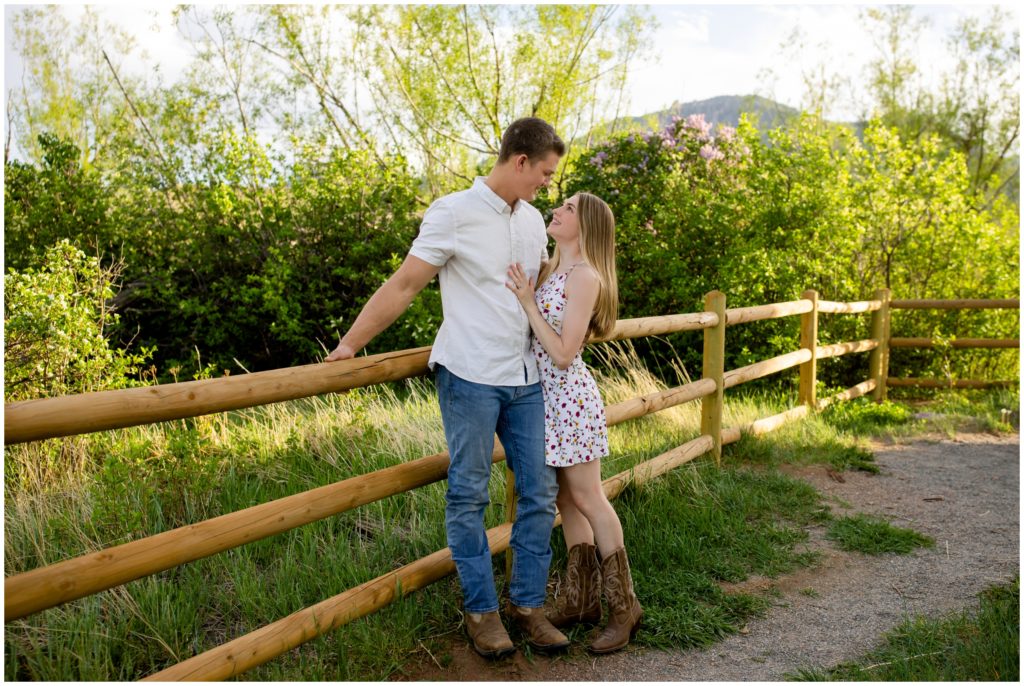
<point>714,368</point>
<point>510,516</point>
<point>809,340</point>
<point>878,365</point>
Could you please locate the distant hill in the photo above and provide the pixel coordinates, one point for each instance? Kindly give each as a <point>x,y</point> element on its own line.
<point>726,109</point>
<point>723,109</point>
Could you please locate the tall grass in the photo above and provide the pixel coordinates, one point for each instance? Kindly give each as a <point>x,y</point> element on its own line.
<point>66,497</point>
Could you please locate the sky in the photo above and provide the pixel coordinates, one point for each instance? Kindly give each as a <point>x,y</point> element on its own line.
<point>699,51</point>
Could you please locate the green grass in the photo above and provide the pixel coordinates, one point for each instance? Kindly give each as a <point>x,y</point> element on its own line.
<point>982,645</point>
<point>697,527</point>
<point>687,532</point>
<point>949,411</point>
<point>874,536</point>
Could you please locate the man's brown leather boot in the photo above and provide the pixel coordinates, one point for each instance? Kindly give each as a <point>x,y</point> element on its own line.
<point>488,635</point>
<point>580,594</point>
<point>538,630</point>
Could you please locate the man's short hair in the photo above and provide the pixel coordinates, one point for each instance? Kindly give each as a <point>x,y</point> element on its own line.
<point>532,137</point>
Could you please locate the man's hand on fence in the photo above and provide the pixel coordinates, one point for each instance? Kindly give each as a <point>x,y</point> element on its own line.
<point>342,352</point>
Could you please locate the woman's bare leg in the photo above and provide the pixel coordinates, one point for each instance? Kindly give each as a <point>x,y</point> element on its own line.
<point>575,527</point>
<point>582,483</point>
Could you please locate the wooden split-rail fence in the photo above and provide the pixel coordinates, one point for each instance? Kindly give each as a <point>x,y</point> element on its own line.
<point>32,420</point>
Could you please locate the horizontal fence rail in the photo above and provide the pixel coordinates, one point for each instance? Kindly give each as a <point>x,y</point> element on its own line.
<point>837,349</point>
<point>946,383</point>
<point>997,304</point>
<point>832,307</point>
<point>863,388</point>
<point>955,343</point>
<point>32,420</point>
<point>759,370</point>
<point>742,315</point>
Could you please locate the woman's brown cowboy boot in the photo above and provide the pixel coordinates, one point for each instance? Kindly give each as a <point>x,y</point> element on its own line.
<point>580,593</point>
<point>624,609</point>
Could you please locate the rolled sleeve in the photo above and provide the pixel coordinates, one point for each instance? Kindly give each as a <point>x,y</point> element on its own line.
<point>436,241</point>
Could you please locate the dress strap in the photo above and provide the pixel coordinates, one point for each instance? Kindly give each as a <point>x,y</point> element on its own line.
<point>573,267</point>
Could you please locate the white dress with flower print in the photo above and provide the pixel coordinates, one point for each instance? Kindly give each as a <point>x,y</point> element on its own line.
<point>575,429</point>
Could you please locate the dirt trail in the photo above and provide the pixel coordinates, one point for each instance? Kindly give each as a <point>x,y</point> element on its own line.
<point>963,492</point>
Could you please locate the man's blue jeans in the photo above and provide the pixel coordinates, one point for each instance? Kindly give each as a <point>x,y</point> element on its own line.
<point>472,413</point>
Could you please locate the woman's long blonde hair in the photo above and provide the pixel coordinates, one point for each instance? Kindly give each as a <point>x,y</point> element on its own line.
<point>597,243</point>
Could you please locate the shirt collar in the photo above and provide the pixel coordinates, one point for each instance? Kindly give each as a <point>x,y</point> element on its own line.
<point>490,197</point>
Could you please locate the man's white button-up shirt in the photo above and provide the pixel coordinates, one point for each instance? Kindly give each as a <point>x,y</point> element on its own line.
<point>473,236</point>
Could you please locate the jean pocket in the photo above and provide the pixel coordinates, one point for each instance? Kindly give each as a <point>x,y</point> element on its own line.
<point>445,390</point>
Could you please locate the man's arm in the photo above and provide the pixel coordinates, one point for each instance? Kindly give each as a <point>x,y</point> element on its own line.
<point>385,306</point>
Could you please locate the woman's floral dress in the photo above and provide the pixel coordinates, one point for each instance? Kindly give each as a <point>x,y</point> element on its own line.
<point>575,429</point>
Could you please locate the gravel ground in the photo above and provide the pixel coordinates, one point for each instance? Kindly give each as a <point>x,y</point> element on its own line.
<point>963,492</point>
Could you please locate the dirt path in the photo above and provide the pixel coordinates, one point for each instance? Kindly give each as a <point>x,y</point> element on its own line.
<point>964,493</point>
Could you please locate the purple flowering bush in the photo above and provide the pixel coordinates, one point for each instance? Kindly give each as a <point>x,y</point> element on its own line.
<point>765,216</point>
<point>664,187</point>
<point>677,195</point>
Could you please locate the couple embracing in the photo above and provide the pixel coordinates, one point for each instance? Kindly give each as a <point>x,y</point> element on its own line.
<point>507,361</point>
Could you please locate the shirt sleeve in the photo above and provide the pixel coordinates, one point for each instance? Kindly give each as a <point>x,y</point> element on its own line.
<point>436,241</point>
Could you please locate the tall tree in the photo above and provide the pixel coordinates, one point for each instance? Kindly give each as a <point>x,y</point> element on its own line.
<point>447,80</point>
<point>975,108</point>
<point>66,85</point>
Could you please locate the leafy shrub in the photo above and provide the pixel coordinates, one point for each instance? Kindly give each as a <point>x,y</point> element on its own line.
<point>58,200</point>
<point>812,206</point>
<point>55,319</point>
<point>862,414</point>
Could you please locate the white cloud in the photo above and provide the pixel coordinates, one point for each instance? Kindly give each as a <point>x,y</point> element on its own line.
<point>691,26</point>
<point>705,51</point>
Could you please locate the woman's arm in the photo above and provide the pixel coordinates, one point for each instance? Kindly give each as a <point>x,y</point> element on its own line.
<point>581,290</point>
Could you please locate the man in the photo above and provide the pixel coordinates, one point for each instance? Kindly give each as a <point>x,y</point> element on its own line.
<point>487,380</point>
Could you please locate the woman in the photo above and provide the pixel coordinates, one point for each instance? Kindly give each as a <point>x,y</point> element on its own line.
<point>578,299</point>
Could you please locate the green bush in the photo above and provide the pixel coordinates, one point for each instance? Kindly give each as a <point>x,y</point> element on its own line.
<point>266,275</point>
<point>264,272</point>
<point>58,200</point>
<point>861,415</point>
<point>55,320</point>
<point>812,206</point>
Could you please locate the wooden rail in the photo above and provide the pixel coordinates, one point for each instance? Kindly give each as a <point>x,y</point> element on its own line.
<point>836,349</point>
<point>32,420</point>
<point>863,388</point>
<point>765,368</point>
<point>945,383</point>
<point>955,343</point>
<point>1003,304</point>
<point>742,315</point>
<point>832,307</point>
